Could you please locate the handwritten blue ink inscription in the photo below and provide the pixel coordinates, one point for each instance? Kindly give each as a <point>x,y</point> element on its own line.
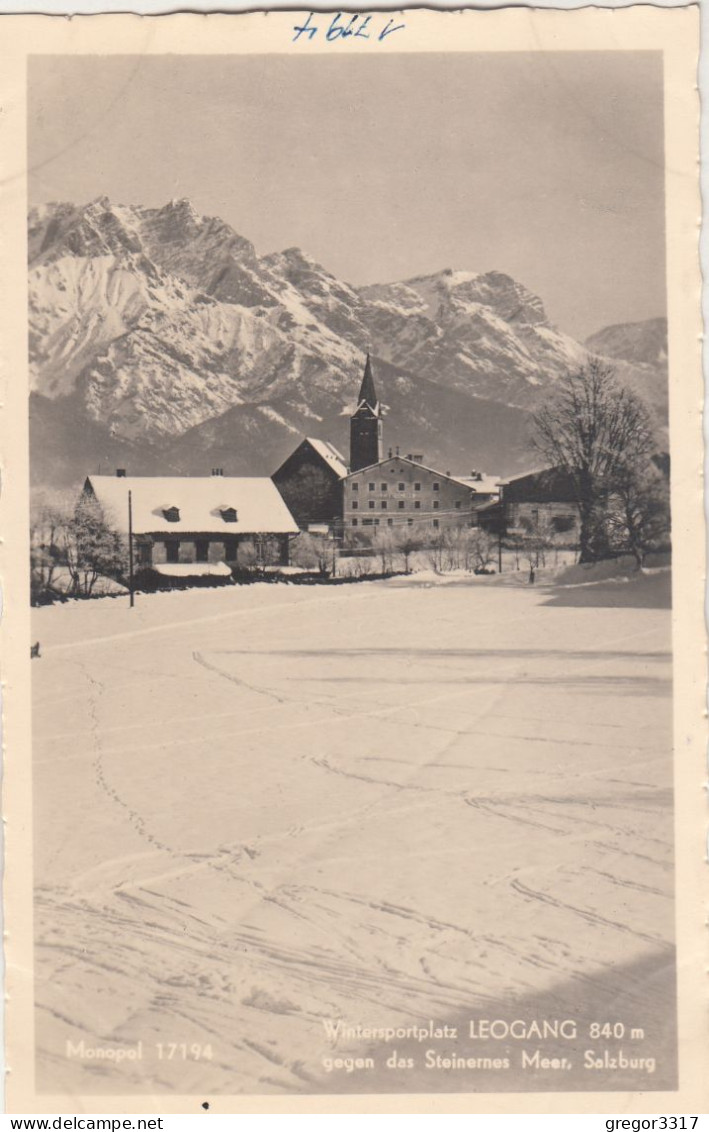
<point>344,26</point>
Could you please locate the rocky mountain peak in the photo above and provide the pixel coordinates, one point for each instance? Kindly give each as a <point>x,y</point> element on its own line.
<point>182,206</point>
<point>294,264</point>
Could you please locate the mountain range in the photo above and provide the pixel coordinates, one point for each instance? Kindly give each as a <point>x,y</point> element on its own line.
<point>160,341</point>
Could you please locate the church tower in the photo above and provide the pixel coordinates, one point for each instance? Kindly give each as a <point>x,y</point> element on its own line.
<point>366,425</point>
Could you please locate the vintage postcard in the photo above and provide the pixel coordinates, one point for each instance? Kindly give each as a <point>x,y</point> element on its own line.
<point>353,562</point>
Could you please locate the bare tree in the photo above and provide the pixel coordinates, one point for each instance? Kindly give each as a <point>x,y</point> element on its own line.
<point>538,539</point>
<point>454,549</point>
<point>638,515</point>
<point>592,428</point>
<point>91,548</point>
<point>74,539</point>
<point>480,550</point>
<point>384,543</point>
<point>48,522</point>
<point>312,552</point>
<point>408,540</point>
<point>436,550</point>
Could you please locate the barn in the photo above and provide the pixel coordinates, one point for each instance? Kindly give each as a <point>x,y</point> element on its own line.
<point>310,481</point>
<point>546,499</point>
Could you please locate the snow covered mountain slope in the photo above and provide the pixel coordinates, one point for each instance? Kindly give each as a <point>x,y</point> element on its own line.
<point>484,331</point>
<point>155,333</point>
<point>642,343</point>
<point>489,335</point>
<point>159,321</point>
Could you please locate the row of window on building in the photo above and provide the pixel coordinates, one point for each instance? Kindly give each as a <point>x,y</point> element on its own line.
<point>401,505</point>
<point>401,487</point>
<point>172,550</point>
<point>390,523</point>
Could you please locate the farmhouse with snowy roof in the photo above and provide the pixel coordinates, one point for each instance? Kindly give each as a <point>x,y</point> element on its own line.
<point>192,526</point>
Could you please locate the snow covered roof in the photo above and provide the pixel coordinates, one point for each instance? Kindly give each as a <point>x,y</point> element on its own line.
<point>329,454</point>
<point>530,472</point>
<point>200,502</point>
<point>482,483</point>
<point>487,485</point>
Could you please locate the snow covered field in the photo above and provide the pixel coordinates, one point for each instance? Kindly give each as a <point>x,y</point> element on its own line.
<point>263,810</point>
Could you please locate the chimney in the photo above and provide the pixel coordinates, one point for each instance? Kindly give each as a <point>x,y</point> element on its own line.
<point>121,473</point>
<point>390,453</point>
<point>397,449</point>
<point>217,471</point>
<point>448,473</point>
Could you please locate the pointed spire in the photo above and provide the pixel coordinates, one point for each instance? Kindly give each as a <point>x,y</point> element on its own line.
<point>367,393</point>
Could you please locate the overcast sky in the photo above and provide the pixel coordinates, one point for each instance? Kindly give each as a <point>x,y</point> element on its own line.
<point>548,167</point>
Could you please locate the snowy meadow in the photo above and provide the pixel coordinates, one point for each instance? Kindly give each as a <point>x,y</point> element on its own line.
<point>268,815</point>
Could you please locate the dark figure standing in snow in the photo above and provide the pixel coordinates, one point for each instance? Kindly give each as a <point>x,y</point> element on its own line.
<point>531,575</point>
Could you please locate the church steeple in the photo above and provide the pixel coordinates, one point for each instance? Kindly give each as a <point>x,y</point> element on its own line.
<point>366,425</point>
<point>367,393</point>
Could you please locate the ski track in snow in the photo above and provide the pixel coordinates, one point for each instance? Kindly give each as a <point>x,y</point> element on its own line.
<point>410,819</point>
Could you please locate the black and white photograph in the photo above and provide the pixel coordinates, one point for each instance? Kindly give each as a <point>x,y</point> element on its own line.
<point>350,569</point>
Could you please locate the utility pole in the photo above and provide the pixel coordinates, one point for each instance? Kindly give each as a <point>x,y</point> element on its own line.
<point>130,549</point>
<point>336,536</point>
<point>499,549</point>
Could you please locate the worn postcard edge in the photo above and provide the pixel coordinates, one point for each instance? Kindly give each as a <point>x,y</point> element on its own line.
<point>675,32</point>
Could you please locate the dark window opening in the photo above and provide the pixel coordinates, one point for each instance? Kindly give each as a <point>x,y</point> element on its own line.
<point>385,486</point>
<point>371,505</point>
<point>402,487</point>
<point>435,523</point>
<point>436,487</point>
<point>384,504</point>
<point>435,505</point>
<point>230,551</point>
<point>402,505</point>
<point>417,487</point>
<point>354,522</point>
<point>201,547</point>
<point>417,504</point>
<point>372,486</point>
<point>355,504</point>
<point>355,487</point>
<point>172,550</point>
